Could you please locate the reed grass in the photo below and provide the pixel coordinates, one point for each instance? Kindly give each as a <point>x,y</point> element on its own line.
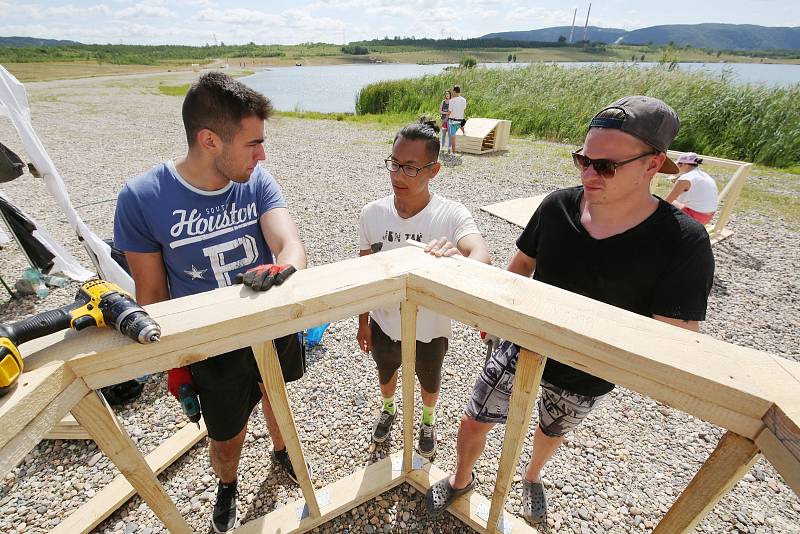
<point>720,118</point>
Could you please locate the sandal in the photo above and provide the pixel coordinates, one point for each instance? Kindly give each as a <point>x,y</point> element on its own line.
<point>534,503</point>
<point>441,495</point>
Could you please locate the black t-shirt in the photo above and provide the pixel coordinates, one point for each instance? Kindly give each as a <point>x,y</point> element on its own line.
<point>663,266</point>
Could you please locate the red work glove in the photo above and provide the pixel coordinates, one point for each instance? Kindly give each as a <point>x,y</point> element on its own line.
<point>265,276</point>
<point>176,378</point>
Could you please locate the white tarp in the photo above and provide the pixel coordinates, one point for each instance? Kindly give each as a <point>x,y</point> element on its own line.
<point>14,105</point>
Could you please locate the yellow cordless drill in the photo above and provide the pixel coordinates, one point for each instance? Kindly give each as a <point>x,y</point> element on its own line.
<point>98,303</point>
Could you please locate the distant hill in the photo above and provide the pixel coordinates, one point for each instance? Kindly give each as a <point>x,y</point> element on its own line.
<point>708,35</point>
<point>34,41</point>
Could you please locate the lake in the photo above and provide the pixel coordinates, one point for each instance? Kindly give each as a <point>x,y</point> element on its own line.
<point>333,88</point>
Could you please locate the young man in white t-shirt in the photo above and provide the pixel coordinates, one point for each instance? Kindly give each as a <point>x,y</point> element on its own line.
<point>458,108</point>
<point>413,212</point>
<point>694,192</point>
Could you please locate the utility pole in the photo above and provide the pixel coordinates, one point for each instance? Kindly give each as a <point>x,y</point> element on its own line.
<point>586,26</point>
<point>572,30</point>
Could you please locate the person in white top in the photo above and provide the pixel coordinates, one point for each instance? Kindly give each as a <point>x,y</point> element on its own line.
<point>694,192</point>
<point>458,108</point>
<point>413,212</point>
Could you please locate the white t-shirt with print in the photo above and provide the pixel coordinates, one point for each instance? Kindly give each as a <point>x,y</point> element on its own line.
<point>381,228</point>
<point>458,105</point>
<point>702,195</point>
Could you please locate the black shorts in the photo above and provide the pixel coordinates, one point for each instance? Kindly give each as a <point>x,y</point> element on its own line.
<point>388,356</point>
<point>228,384</point>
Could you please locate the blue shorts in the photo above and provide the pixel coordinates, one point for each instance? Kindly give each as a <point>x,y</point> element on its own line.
<point>453,126</point>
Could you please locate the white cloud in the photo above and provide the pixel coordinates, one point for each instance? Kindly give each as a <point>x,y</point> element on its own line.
<point>144,11</point>
<point>539,16</point>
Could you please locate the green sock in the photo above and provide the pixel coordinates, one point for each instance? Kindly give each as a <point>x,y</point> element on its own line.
<point>388,405</point>
<point>428,414</point>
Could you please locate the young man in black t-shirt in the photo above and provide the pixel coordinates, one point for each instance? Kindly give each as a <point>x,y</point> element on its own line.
<point>608,239</point>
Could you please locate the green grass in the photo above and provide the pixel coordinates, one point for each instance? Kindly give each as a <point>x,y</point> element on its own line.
<point>388,120</point>
<point>174,90</point>
<point>744,122</point>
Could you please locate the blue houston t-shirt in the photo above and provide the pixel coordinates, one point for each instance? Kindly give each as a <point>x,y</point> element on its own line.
<point>205,237</point>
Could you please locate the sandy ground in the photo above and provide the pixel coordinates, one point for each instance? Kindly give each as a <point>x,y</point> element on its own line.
<point>619,472</point>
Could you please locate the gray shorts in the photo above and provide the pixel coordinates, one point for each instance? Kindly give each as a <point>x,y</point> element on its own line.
<point>559,410</point>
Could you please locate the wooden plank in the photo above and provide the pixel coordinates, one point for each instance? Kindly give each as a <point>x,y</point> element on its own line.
<point>781,457</point>
<point>477,127</point>
<point>94,414</point>
<point>667,392</point>
<point>36,388</point>
<point>716,237</point>
<point>67,428</point>
<point>530,367</point>
<point>408,333</point>
<point>517,211</point>
<point>728,463</point>
<point>786,431</point>
<point>727,163</point>
<point>466,507</point>
<point>617,345</point>
<point>270,368</point>
<point>345,494</point>
<point>199,326</point>
<point>730,195</point>
<point>15,449</point>
<point>117,493</point>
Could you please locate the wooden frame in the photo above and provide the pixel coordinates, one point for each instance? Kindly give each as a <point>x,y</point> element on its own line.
<point>482,136</point>
<point>756,396</point>
<point>519,210</point>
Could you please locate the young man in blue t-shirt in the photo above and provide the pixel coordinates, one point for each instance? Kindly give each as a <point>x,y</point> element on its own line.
<point>194,224</point>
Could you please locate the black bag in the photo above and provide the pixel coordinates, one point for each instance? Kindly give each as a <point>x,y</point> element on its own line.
<point>11,166</point>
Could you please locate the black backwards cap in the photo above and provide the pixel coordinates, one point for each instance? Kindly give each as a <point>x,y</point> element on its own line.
<point>646,118</point>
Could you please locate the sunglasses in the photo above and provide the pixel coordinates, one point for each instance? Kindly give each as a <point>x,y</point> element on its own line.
<point>606,168</point>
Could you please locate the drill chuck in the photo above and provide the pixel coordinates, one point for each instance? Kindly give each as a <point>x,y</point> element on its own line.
<point>129,318</point>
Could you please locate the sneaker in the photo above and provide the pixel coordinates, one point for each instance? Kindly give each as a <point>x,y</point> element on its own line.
<point>224,515</point>
<point>383,425</point>
<point>281,458</point>
<point>427,441</point>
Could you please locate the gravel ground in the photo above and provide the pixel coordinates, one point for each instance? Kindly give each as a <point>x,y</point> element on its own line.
<point>619,472</point>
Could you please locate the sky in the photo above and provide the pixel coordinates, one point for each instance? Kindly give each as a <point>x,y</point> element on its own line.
<point>197,22</point>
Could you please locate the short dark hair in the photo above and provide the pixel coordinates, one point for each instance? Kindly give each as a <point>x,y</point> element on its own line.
<point>423,130</point>
<point>218,102</point>
<point>457,89</point>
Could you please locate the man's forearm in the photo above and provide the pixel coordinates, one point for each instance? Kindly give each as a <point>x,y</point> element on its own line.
<point>293,253</point>
<point>363,319</point>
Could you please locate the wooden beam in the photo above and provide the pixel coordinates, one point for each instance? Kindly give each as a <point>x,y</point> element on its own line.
<point>35,389</point>
<point>117,493</point>
<point>68,428</point>
<point>723,162</point>
<point>271,375</point>
<point>732,458</point>
<point>200,326</point>
<point>468,507</point>
<point>94,414</point>
<point>345,494</point>
<point>781,457</point>
<point>15,449</point>
<point>699,373</point>
<point>729,196</point>
<point>530,367</point>
<point>408,322</point>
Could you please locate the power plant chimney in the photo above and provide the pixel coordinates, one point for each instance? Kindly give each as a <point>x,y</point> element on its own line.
<point>572,30</point>
<point>586,26</point>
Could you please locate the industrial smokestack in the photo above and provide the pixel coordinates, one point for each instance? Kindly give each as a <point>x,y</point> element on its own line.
<point>586,26</point>
<point>572,30</point>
